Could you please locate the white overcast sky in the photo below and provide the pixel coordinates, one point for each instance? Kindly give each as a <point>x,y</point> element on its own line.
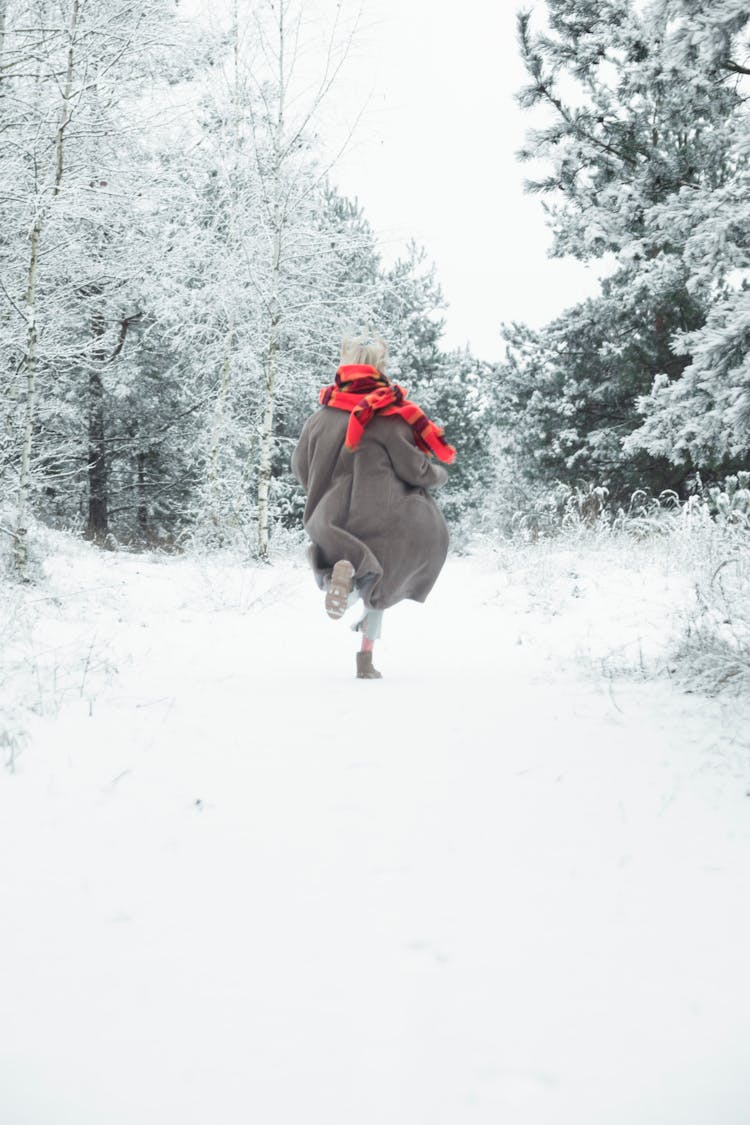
<point>433,158</point>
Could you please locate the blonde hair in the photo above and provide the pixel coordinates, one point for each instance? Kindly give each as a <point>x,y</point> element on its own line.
<point>370,350</point>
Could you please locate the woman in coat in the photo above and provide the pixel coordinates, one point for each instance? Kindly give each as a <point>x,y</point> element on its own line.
<point>365,462</point>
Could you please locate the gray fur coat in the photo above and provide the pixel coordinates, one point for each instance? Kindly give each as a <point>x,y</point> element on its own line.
<point>371,506</point>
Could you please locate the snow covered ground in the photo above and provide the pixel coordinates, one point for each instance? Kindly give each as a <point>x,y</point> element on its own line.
<point>507,883</point>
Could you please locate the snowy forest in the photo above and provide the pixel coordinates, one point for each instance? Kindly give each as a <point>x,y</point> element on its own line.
<point>174,286</point>
<point>175,290</point>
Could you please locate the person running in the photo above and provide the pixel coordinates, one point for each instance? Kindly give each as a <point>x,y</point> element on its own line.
<point>365,462</point>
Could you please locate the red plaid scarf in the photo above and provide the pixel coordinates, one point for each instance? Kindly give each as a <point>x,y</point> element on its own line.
<point>365,392</point>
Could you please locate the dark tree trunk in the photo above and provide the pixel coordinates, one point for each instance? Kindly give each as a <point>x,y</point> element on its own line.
<point>98,525</point>
<point>97,463</point>
<point>142,510</point>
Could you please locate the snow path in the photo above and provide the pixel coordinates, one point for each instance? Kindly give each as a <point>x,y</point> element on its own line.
<point>240,886</point>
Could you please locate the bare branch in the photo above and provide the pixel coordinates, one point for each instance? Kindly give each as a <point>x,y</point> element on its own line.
<point>735,68</point>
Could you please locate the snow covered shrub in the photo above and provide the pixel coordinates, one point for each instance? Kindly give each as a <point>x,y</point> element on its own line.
<point>646,515</point>
<point>20,676</point>
<point>11,743</point>
<point>714,654</point>
<point>707,538</point>
<point>514,507</point>
<point>562,507</point>
<point>704,541</point>
<point>711,540</point>
<point>33,551</point>
<point>51,648</point>
<point>11,732</point>
<point>289,500</point>
<point>731,504</point>
<point>7,541</point>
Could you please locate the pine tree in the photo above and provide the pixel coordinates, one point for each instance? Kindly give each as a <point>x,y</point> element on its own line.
<point>642,108</point>
<point>702,417</point>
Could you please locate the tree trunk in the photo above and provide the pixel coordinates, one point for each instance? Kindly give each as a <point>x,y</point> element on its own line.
<point>214,501</point>
<point>142,509</point>
<point>65,112</point>
<point>97,527</point>
<point>265,466</point>
<point>30,364</point>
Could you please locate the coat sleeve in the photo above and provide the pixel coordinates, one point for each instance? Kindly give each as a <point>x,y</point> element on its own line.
<point>411,464</point>
<point>301,458</point>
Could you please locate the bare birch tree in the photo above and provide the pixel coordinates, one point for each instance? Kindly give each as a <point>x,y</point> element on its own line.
<point>282,116</point>
<point>265,288</point>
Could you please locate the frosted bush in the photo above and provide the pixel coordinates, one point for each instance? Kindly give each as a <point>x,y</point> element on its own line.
<point>705,537</point>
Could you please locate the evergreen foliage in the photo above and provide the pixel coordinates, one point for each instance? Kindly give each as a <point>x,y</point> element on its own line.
<point>646,139</point>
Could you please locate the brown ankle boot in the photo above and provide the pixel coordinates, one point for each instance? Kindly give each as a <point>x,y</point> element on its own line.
<point>365,670</point>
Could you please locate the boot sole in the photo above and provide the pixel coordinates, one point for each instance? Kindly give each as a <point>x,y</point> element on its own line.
<point>337,595</point>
